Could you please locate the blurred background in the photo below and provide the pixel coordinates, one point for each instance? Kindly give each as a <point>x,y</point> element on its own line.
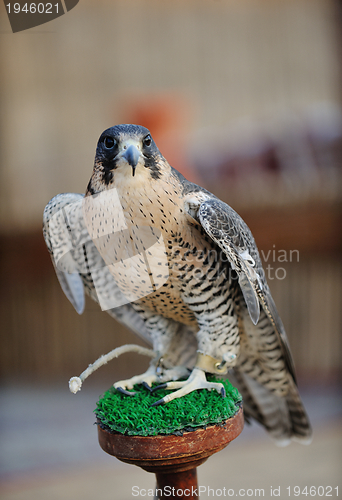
<point>243,98</point>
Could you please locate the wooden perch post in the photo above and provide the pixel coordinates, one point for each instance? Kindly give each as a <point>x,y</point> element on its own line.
<point>172,458</point>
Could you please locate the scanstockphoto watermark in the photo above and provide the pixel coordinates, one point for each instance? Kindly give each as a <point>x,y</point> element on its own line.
<point>225,492</point>
<point>274,260</point>
<point>172,492</point>
<point>129,259</point>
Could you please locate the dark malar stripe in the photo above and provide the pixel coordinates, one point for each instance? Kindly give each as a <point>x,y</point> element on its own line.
<point>152,165</point>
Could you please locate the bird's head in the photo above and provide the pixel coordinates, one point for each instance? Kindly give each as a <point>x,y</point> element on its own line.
<point>126,151</point>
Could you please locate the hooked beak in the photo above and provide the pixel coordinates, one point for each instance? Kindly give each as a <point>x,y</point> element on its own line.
<point>132,155</point>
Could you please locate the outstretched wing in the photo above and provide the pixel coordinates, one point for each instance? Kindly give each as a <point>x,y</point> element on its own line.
<point>78,264</point>
<point>59,240</point>
<point>80,268</point>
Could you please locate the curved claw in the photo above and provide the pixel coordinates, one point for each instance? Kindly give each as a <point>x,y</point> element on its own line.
<point>148,377</point>
<point>123,391</point>
<point>157,387</point>
<point>159,402</point>
<point>145,384</point>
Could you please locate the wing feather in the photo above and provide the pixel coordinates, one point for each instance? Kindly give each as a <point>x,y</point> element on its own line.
<point>68,242</point>
<point>73,288</point>
<point>227,229</point>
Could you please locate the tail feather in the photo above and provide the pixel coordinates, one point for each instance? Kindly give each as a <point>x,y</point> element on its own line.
<point>301,428</point>
<point>283,417</point>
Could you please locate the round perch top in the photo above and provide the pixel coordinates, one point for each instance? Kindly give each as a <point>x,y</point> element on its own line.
<point>134,416</point>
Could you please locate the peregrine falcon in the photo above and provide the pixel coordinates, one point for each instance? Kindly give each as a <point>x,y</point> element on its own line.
<point>180,268</point>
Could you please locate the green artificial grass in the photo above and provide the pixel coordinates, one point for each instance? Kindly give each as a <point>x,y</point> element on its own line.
<point>133,415</point>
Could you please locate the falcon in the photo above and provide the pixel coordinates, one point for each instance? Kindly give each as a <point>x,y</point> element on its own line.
<point>180,268</point>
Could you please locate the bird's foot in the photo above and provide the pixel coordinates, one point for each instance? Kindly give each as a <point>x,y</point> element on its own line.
<point>151,375</point>
<point>146,379</point>
<point>197,380</point>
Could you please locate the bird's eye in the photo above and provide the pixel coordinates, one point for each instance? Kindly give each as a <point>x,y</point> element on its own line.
<point>148,141</point>
<point>109,142</point>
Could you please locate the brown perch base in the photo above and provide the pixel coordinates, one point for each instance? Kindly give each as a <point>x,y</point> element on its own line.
<point>172,458</point>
